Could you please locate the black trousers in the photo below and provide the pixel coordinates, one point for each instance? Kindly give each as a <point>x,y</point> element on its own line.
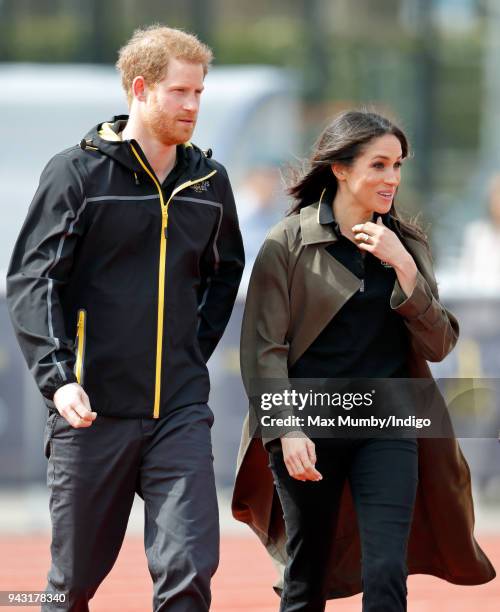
<point>93,475</point>
<point>383,477</point>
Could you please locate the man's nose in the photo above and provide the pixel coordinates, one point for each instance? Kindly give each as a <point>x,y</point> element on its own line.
<point>191,104</point>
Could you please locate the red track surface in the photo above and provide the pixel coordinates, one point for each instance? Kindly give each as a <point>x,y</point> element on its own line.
<point>243,582</point>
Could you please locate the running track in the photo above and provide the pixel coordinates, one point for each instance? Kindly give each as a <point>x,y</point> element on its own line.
<point>242,584</point>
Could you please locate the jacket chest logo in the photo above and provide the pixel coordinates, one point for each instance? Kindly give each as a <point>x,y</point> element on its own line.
<point>200,187</point>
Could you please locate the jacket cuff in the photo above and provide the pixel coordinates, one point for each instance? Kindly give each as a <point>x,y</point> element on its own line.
<point>276,432</point>
<point>415,306</point>
<point>291,433</point>
<point>49,391</point>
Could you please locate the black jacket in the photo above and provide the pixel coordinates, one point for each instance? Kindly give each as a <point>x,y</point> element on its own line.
<point>123,284</point>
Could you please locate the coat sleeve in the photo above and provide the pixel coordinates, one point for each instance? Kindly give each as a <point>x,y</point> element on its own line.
<point>433,329</point>
<point>221,276</point>
<point>264,344</point>
<point>38,272</point>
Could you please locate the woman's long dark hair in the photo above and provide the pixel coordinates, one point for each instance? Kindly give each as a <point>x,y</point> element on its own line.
<point>342,142</point>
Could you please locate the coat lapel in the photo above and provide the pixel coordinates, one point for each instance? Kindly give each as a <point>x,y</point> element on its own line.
<point>321,284</point>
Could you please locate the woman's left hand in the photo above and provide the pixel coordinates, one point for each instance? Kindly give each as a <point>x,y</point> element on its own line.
<point>382,242</point>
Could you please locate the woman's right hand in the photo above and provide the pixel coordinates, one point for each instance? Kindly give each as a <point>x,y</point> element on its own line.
<point>299,456</point>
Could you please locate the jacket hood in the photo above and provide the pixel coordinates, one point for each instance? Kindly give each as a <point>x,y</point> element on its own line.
<point>106,138</point>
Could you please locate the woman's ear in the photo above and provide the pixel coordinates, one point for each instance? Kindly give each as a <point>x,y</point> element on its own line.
<point>339,171</point>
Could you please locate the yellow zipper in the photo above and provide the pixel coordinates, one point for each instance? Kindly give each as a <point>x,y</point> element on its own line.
<point>80,345</point>
<point>161,271</point>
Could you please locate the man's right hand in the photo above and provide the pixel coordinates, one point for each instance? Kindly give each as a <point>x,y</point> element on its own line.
<point>73,404</point>
<point>299,456</point>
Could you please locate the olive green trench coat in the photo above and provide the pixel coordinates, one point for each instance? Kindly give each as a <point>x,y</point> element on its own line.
<point>295,289</point>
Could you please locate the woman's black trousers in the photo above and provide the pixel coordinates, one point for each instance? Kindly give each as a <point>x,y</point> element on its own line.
<point>383,477</point>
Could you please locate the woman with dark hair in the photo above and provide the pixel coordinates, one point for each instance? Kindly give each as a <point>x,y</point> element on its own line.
<point>343,287</point>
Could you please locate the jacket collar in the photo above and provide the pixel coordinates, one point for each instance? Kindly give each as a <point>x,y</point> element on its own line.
<point>317,223</point>
<point>106,138</point>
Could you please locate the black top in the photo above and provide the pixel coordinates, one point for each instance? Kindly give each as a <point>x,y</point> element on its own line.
<point>366,338</point>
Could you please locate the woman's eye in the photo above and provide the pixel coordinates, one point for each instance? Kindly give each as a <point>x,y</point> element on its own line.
<point>381,165</point>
